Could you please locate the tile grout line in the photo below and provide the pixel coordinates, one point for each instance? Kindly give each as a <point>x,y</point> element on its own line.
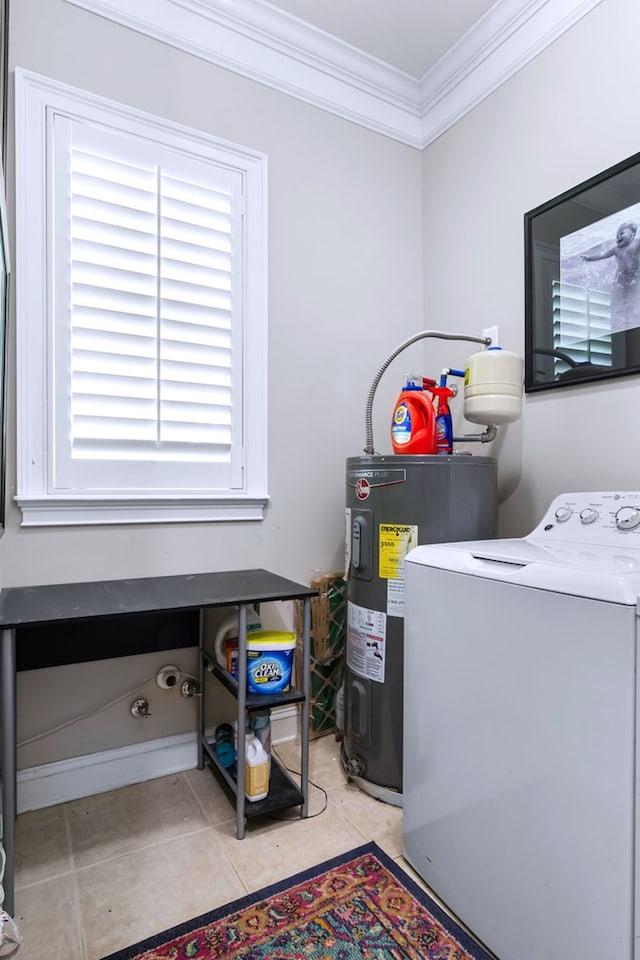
<point>79,926</point>
<point>203,809</point>
<point>36,883</point>
<point>75,883</point>
<point>214,827</point>
<point>197,799</point>
<point>137,850</point>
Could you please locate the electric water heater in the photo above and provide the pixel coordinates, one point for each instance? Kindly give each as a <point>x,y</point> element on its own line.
<point>395,503</point>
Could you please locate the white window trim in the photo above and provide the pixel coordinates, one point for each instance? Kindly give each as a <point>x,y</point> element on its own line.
<point>36,96</point>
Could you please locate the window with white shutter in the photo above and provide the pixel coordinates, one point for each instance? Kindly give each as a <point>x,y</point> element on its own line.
<point>143,246</point>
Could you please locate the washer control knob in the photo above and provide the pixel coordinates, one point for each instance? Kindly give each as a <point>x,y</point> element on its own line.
<point>627,518</point>
<point>588,515</point>
<point>563,514</point>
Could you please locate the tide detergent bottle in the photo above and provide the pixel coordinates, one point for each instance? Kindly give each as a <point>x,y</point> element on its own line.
<point>413,423</point>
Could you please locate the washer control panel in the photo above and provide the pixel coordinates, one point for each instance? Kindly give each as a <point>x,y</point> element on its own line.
<point>627,518</point>
<point>601,517</point>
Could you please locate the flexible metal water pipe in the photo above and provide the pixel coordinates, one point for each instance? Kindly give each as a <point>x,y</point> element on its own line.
<point>423,335</point>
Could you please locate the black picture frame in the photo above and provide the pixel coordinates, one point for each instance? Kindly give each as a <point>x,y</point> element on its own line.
<point>5,270</point>
<point>582,282</point>
<point>5,264</point>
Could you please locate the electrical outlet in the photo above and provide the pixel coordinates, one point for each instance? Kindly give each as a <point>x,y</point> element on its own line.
<point>491,332</point>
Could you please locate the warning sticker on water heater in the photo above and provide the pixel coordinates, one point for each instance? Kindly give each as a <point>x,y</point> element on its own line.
<point>394,542</point>
<point>395,598</point>
<point>366,641</point>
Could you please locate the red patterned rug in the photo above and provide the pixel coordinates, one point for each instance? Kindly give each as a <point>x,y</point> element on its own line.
<point>359,906</point>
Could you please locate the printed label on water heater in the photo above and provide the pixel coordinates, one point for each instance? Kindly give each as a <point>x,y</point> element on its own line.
<point>394,542</point>
<point>366,642</point>
<point>395,598</point>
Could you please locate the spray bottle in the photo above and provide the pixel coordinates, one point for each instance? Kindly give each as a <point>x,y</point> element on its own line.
<point>444,420</point>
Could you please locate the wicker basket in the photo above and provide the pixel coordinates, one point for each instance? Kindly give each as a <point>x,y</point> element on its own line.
<point>328,636</point>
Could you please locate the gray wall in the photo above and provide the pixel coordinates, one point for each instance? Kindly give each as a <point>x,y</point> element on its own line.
<point>345,254</point>
<point>571,113</point>
<point>369,241</point>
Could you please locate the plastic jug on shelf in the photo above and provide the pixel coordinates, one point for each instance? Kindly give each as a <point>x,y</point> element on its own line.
<point>256,769</point>
<point>226,640</point>
<point>260,723</point>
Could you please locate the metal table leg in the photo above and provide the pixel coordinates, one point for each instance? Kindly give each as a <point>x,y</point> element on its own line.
<point>9,769</point>
<point>304,707</point>
<point>201,681</point>
<point>242,720</point>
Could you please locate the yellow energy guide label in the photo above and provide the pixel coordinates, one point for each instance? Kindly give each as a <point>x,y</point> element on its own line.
<point>394,542</point>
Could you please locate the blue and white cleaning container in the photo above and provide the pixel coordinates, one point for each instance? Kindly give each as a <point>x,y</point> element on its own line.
<point>269,660</point>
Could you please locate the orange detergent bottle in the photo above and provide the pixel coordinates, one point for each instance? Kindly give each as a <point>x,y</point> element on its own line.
<point>413,428</point>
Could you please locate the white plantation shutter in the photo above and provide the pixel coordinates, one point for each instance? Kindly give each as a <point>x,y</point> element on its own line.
<point>141,315</point>
<point>146,339</point>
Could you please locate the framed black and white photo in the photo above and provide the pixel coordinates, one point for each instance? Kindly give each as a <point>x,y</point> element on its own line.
<point>582,282</point>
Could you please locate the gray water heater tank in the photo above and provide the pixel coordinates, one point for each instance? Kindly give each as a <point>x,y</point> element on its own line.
<point>393,504</point>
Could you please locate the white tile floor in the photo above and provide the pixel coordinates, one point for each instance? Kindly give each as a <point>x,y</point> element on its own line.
<point>99,874</point>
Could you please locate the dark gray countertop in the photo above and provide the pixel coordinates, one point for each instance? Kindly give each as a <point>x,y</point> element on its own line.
<point>49,603</point>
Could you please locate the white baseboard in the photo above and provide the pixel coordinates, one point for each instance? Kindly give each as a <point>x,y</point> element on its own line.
<point>52,783</point>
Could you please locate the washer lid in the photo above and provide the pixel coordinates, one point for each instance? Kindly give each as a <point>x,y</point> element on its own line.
<point>580,569</point>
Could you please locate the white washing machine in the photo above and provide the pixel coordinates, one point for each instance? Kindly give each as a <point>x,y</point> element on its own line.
<point>521,731</point>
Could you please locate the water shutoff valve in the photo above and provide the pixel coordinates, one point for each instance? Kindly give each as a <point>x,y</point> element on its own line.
<point>190,688</point>
<point>140,707</point>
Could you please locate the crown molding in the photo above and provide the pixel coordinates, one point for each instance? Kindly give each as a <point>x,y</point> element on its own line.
<point>268,45</point>
<point>508,37</point>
